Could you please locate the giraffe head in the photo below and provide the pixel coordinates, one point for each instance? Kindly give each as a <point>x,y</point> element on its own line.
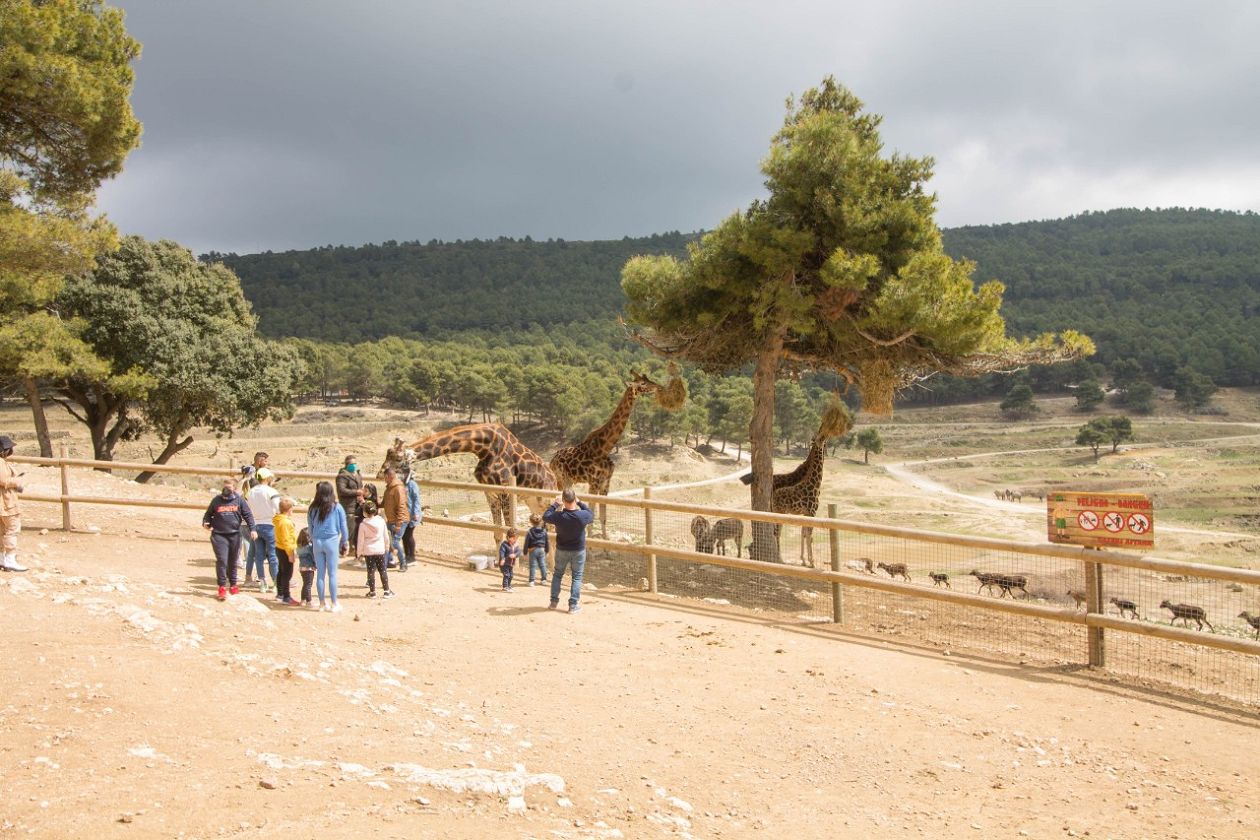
<point>640,384</point>
<point>396,456</point>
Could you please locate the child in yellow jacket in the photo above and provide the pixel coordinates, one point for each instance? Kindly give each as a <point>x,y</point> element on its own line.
<point>286,551</point>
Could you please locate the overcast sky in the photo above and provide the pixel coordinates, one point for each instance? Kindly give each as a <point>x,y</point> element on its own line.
<point>277,124</point>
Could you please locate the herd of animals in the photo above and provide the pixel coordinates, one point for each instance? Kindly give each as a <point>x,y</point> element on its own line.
<point>502,460</point>
<point>712,539</point>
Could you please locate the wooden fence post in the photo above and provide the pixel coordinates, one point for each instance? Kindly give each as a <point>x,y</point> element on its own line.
<point>1094,604</point>
<point>647,538</point>
<point>837,591</point>
<point>66,524</point>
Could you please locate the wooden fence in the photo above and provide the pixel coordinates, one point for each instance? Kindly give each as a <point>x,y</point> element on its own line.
<point>1094,565</point>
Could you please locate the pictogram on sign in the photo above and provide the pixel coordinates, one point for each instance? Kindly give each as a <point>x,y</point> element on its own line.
<point>1100,520</point>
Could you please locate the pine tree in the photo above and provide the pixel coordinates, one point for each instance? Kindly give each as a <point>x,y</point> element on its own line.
<point>839,268</point>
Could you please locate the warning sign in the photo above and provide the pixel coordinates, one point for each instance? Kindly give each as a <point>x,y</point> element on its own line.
<point>1100,520</point>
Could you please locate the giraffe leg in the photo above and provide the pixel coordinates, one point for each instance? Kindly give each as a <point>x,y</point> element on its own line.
<point>807,546</point>
<point>599,487</point>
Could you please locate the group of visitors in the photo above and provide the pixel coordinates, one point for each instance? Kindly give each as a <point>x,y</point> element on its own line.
<point>348,514</point>
<point>259,519</point>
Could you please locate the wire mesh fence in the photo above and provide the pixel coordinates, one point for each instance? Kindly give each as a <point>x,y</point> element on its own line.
<point>1164,624</point>
<point>689,552</point>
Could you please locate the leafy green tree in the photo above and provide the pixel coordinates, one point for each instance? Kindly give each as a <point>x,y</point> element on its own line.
<point>1092,436</point>
<point>365,371</point>
<point>869,441</point>
<point>731,409</point>
<point>839,268</point>
<point>1193,389</point>
<point>1139,397</point>
<point>1019,403</point>
<point>1089,395</point>
<point>1124,373</point>
<point>1102,430</point>
<point>65,116</point>
<point>795,417</point>
<point>66,125</point>
<point>182,350</point>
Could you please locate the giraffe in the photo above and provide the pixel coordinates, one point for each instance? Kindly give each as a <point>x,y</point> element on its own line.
<point>500,456</point>
<point>589,462</point>
<point>796,492</point>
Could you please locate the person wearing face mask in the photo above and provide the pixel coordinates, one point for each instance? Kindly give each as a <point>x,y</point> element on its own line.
<point>226,515</point>
<point>349,483</point>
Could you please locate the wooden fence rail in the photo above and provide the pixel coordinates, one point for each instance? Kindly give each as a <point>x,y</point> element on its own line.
<point>1092,561</point>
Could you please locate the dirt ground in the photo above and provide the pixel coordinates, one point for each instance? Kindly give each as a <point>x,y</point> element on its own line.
<point>136,705</point>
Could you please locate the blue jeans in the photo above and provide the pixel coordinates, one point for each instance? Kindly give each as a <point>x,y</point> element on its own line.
<point>326,564</point>
<point>537,560</point>
<point>250,554</point>
<point>396,546</point>
<point>576,562</point>
<point>265,546</point>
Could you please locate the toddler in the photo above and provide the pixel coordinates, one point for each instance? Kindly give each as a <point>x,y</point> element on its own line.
<point>306,564</point>
<point>509,553</point>
<point>537,545</point>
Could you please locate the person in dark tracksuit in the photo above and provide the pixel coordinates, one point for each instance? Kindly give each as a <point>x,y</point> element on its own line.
<point>225,517</point>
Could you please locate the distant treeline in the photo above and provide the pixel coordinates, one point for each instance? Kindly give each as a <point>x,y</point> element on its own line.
<point>421,291</point>
<point>1170,290</point>
<point>1162,291</point>
<point>566,380</point>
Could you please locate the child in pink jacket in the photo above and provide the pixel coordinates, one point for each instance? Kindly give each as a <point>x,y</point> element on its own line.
<point>372,541</point>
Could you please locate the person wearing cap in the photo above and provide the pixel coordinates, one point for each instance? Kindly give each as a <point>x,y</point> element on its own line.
<point>249,478</point>
<point>571,519</point>
<point>10,518</point>
<point>264,504</point>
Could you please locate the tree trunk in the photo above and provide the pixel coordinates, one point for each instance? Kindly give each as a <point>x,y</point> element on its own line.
<point>37,412</point>
<point>866,456</point>
<point>765,546</point>
<point>173,447</point>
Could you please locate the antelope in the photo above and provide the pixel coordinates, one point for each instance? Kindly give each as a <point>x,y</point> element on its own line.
<point>1186,612</point>
<point>1125,606</point>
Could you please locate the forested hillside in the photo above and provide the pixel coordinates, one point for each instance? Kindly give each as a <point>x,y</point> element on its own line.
<point>1166,288</point>
<point>408,289</point>
<point>1164,294</point>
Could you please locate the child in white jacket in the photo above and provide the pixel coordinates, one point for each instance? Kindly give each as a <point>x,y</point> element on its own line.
<point>372,541</point>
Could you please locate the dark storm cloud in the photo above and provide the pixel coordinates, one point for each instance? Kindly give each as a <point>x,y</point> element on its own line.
<point>292,124</point>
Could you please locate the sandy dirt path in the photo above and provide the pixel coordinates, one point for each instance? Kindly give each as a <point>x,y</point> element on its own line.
<point>135,705</point>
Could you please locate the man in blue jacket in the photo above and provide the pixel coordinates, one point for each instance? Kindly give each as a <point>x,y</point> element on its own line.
<point>570,518</point>
<point>415,513</point>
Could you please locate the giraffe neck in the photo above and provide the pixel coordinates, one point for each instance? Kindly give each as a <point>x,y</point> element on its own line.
<point>477,440</point>
<point>602,440</point>
<point>812,474</point>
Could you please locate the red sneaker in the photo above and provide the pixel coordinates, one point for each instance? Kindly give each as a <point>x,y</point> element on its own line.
<point>222,594</point>
<point>235,590</point>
